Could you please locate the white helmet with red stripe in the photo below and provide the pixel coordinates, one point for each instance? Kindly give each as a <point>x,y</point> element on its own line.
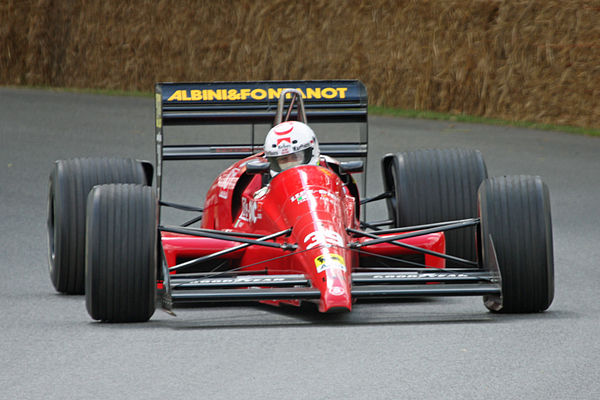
<point>289,144</point>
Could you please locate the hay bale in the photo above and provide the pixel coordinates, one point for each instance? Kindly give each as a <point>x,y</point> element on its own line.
<point>524,60</point>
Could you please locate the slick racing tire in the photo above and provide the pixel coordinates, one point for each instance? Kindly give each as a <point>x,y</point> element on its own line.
<point>70,183</point>
<point>515,218</point>
<point>435,185</point>
<point>121,253</point>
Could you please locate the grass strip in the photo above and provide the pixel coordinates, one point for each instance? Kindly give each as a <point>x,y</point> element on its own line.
<point>434,115</point>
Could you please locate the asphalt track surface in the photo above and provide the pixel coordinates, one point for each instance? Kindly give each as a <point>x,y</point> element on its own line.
<point>422,349</point>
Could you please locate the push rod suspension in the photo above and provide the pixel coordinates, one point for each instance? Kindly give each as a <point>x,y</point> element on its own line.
<point>420,232</point>
<point>191,221</point>
<point>381,196</point>
<point>394,240</point>
<point>446,225</point>
<point>212,233</point>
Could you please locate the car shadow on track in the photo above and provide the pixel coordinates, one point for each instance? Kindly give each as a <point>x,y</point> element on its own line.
<point>409,311</point>
<point>398,312</point>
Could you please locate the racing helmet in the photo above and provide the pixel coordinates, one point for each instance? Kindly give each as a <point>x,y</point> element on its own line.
<point>289,144</point>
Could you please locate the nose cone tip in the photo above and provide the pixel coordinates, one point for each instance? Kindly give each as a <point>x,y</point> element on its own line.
<point>336,299</point>
<point>337,310</point>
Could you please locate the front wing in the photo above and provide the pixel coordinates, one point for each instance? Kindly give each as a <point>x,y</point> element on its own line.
<point>196,288</point>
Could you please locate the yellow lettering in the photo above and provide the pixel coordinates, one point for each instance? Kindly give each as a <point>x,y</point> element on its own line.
<point>175,96</point>
<point>313,93</point>
<point>329,93</point>
<point>244,93</point>
<point>233,94</point>
<point>258,94</point>
<point>184,95</point>
<point>274,93</point>
<point>212,95</point>
<point>196,94</point>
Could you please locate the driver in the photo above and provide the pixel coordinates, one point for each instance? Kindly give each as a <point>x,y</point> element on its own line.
<point>289,144</point>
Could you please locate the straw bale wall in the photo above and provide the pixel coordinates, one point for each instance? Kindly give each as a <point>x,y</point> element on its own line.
<point>536,60</point>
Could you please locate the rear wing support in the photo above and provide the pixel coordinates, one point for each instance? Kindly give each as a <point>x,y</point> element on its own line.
<point>251,103</point>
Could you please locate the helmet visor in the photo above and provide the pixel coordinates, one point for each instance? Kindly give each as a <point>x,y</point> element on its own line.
<point>281,163</point>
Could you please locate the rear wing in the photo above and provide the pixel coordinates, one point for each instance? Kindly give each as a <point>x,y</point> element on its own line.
<point>226,103</point>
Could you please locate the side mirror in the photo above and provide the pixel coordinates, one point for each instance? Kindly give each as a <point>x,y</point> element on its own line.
<point>257,167</point>
<point>352,166</point>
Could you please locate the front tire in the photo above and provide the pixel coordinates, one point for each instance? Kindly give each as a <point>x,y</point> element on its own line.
<point>515,217</point>
<point>120,279</point>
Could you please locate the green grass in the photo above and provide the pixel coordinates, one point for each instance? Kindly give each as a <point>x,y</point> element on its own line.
<point>396,112</point>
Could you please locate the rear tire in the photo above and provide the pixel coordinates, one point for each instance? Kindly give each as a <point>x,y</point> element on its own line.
<point>436,185</point>
<point>120,279</point>
<point>70,183</point>
<point>515,213</point>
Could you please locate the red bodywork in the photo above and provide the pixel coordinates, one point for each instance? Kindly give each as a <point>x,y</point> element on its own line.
<point>316,204</point>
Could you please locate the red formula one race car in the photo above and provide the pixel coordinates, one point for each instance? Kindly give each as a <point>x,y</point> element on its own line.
<point>282,224</point>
